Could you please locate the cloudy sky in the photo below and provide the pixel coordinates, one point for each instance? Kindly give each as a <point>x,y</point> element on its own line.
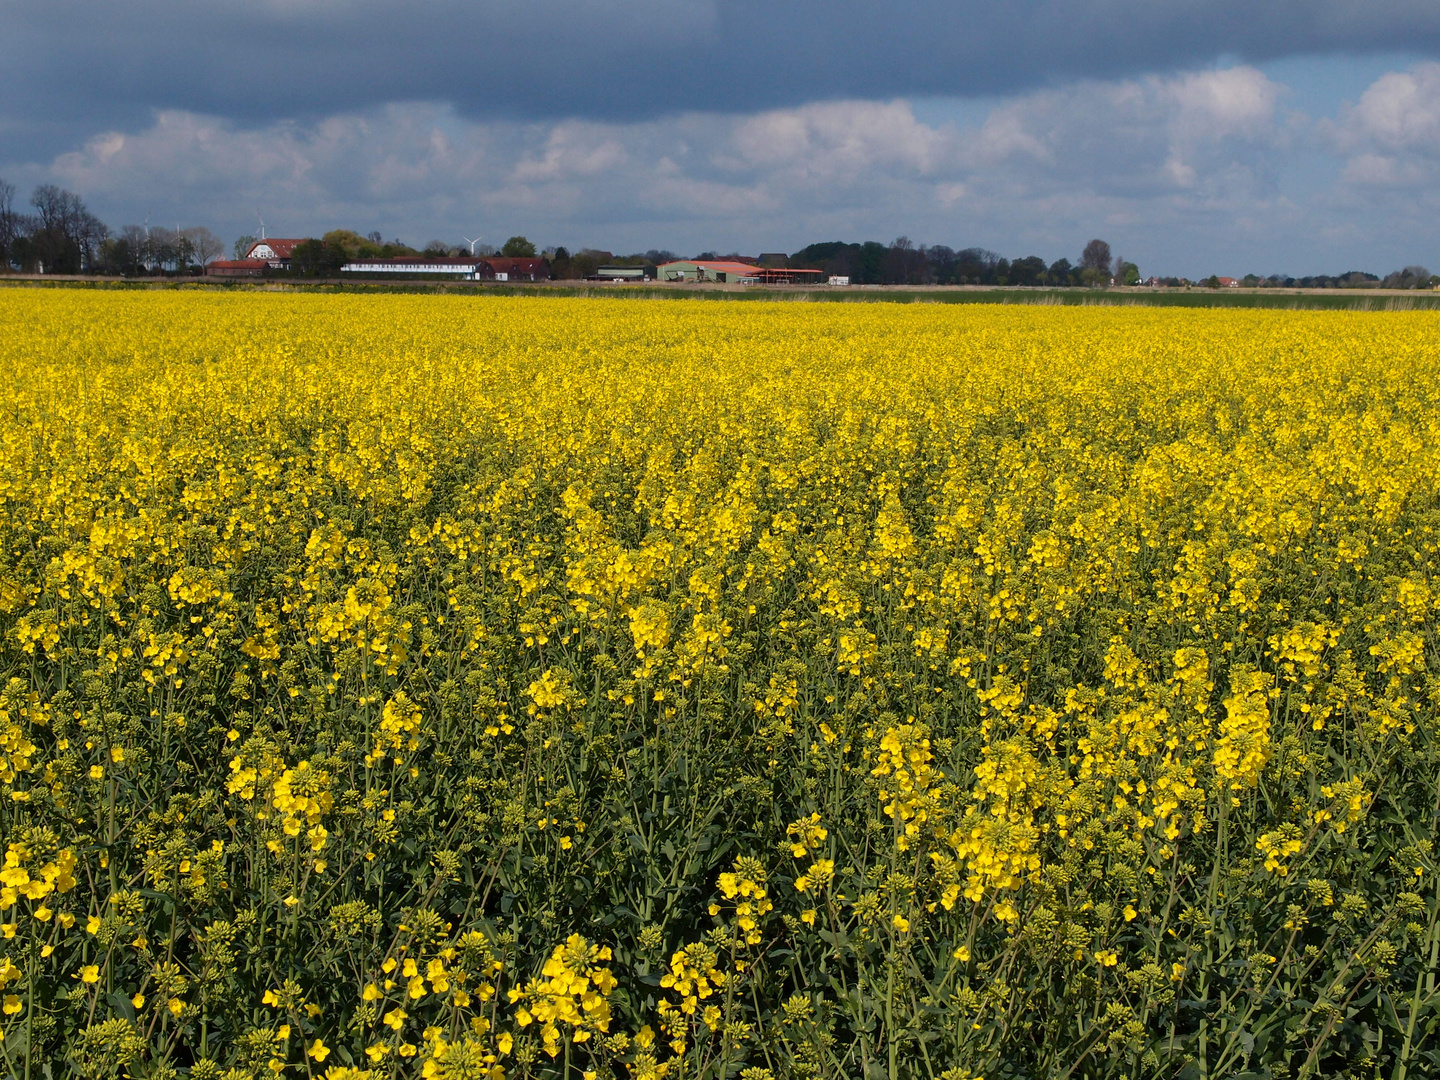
<point>1196,136</point>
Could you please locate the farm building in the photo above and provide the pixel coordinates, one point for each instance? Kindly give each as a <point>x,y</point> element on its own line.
<point>790,277</point>
<point>499,268</point>
<point>273,251</point>
<point>237,268</point>
<point>620,273</point>
<point>697,270</point>
<point>466,269</point>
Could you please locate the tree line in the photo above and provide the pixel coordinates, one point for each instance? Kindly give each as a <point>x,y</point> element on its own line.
<point>903,262</point>
<point>61,236</point>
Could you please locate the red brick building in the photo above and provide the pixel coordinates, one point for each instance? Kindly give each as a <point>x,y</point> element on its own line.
<point>237,268</point>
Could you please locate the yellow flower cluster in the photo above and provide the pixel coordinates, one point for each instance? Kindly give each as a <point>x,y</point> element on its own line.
<point>574,991</point>
<point>1062,675</point>
<point>806,835</point>
<point>744,887</point>
<point>693,977</point>
<point>399,731</point>
<point>903,766</point>
<point>1244,744</point>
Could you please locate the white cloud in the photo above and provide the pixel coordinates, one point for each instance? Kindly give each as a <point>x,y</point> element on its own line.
<point>1198,160</point>
<point>1237,102</point>
<point>1390,137</point>
<point>573,150</point>
<point>840,139</point>
<point>1400,112</point>
<point>1206,134</point>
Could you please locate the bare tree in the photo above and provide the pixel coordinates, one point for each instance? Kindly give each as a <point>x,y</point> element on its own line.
<point>9,223</point>
<point>90,234</point>
<point>69,236</point>
<point>132,249</point>
<point>184,251</point>
<point>161,249</point>
<point>204,243</point>
<point>59,209</point>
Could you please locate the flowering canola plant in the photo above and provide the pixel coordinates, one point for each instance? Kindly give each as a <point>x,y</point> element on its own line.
<point>495,687</point>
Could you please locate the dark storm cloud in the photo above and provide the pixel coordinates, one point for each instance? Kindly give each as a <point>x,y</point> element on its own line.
<point>64,62</point>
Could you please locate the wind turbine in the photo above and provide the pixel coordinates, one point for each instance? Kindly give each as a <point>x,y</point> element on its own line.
<point>262,225</point>
<point>472,244</point>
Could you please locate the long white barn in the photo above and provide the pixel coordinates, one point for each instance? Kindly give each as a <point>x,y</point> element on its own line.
<point>463,268</point>
<point>489,268</point>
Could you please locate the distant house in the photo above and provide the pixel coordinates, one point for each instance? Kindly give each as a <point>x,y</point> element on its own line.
<point>275,253</point>
<point>237,268</point>
<point>499,268</point>
<point>707,270</point>
<point>1228,283</point>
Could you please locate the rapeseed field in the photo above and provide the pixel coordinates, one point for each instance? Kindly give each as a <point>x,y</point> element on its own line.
<point>467,687</point>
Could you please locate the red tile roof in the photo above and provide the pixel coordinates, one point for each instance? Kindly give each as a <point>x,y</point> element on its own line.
<point>237,264</point>
<point>282,248</point>
<point>506,265</point>
<point>716,266</point>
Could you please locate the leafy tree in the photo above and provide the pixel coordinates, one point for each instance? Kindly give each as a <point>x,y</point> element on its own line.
<point>905,264</point>
<point>559,260</point>
<point>833,257</point>
<point>941,263</point>
<point>1411,277</point>
<point>349,244</point>
<point>242,246</point>
<point>1060,273</point>
<point>586,261</point>
<point>1027,271</point>
<point>976,266</point>
<point>870,264</point>
<point>311,258</point>
<point>1358,279</point>
<point>1096,256</point>
<point>517,247</point>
